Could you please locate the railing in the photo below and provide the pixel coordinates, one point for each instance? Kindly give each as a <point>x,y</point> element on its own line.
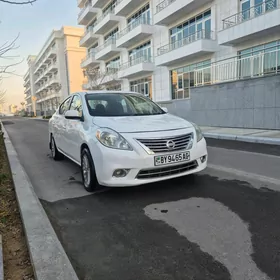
<point>253,12</point>
<point>108,42</point>
<point>266,63</point>
<point>88,30</point>
<point>132,25</point>
<point>203,34</point>
<point>138,60</point>
<point>118,2</point>
<point>83,9</point>
<point>109,11</point>
<point>162,5</point>
<point>91,54</point>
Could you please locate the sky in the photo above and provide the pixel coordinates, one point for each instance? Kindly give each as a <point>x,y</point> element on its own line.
<point>33,23</point>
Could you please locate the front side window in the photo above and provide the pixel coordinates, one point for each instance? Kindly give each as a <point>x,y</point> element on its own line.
<point>76,105</point>
<point>65,106</point>
<point>121,104</point>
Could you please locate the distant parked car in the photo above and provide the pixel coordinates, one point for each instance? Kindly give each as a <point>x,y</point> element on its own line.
<point>124,139</point>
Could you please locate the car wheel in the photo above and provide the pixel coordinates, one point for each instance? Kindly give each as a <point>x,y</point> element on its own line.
<point>90,181</point>
<point>56,155</point>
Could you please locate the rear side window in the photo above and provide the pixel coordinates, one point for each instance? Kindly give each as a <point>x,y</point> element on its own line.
<point>65,106</point>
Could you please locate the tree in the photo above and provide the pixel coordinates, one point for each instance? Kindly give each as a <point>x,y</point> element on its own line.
<point>2,97</point>
<point>98,80</point>
<point>22,104</point>
<point>18,2</point>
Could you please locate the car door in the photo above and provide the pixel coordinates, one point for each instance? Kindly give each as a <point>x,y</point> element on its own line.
<point>61,124</point>
<point>74,134</point>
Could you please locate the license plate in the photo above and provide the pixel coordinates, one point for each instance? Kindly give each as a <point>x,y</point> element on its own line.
<point>173,158</point>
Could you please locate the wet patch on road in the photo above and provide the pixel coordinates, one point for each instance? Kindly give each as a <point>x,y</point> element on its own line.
<point>215,229</point>
<point>108,236</point>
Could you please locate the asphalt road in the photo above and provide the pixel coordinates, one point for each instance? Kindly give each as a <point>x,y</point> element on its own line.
<point>221,224</point>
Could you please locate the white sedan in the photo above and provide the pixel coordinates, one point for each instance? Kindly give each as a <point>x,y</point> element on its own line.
<point>124,139</point>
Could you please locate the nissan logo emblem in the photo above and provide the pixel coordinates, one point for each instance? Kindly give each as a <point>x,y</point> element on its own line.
<point>170,144</point>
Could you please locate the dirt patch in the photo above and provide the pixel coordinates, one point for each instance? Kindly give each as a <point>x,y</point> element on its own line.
<point>17,264</point>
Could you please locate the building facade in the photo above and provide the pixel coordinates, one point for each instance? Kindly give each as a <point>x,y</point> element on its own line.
<point>177,52</point>
<point>55,72</point>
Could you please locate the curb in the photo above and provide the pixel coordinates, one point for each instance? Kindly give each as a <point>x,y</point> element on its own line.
<point>250,139</point>
<point>1,260</point>
<point>47,255</point>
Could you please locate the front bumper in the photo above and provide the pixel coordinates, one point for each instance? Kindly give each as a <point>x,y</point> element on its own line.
<point>108,160</point>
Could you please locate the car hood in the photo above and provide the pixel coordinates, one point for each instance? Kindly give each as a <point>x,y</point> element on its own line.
<point>130,124</point>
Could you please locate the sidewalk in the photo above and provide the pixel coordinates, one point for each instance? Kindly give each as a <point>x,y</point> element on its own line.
<point>242,134</point>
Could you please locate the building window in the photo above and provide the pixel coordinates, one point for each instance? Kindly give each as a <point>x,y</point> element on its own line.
<point>144,13</point>
<point>143,86</point>
<point>200,25</point>
<point>110,7</point>
<point>142,53</point>
<point>182,79</point>
<point>253,8</point>
<point>259,60</point>
<point>92,49</point>
<point>111,34</point>
<point>113,65</point>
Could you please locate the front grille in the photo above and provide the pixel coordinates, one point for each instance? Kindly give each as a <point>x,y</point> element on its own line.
<point>160,145</point>
<point>166,171</point>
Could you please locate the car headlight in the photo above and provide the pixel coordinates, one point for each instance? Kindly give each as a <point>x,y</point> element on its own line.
<point>112,139</point>
<point>198,132</point>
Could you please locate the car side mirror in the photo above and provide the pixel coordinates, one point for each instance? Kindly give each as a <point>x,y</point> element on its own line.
<point>72,115</point>
<point>164,109</point>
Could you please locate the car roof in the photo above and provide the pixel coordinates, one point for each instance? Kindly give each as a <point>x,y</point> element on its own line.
<point>83,93</point>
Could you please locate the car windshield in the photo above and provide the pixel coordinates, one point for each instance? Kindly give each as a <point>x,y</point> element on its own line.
<point>121,104</point>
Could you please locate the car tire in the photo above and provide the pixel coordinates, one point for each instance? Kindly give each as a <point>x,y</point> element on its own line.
<point>56,155</point>
<point>90,181</point>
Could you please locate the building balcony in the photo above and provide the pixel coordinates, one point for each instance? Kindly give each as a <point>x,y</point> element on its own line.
<point>26,76</point>
<point>27,91</point>
<point>97,3</point>
<point>106,22</point>
<point>87,14</point>
<point>169,11</point>
<point>89,60</point>
<point>27,97</point>
<point>253,23</point>
<point>126,7</point>
<point>137,67</point>
<point>26,83</point>
<point>108,77</point>
<point>108,50</point>
<point>88,38</point>
<point>81,3</point>
<point>134,33</point>
<point>236,68</point>
<point>195,45</point>
<point>52,68</point>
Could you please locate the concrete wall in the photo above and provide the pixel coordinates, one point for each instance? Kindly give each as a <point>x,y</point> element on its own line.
<point>253,103</point>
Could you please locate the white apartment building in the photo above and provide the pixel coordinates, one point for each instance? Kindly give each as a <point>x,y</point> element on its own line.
<point>55,72</point>
<point>167,48</point>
